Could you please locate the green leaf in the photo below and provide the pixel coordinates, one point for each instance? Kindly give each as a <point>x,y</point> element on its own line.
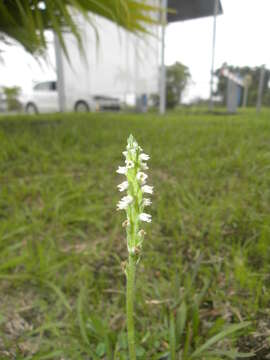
<point>60,294</point>
<point>52,355</point>
<point>181,318</point>
<point>223,334</point>
<point>195,320</point>
<point>26,23</point>
<point>172,337</point>
<point>82,325</point>
<point>187,342</point>
<point>101,349</point>
<point>140,351</point>
<point>233,354</point>
<point>13,262</point>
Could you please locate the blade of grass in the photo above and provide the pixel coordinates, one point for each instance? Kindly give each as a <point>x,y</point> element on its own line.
<point>223,334</point>
<point>172,337</point>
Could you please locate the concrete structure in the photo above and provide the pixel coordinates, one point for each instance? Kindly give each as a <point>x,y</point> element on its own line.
<point>235,85</point>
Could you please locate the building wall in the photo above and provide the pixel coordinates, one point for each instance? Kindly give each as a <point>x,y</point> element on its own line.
<point>116,64</point>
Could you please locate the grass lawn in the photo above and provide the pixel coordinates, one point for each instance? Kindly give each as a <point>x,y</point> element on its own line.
<point>206,258</point>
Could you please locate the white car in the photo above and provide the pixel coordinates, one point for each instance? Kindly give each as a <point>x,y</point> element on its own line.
<point>107,103</point>
<point>44,98</point>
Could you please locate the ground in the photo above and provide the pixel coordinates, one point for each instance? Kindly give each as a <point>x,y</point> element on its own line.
<point>205,263</point>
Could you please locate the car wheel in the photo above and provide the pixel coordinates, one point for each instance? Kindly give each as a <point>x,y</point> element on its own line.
<point>81,106</point>
<point>31,109</point>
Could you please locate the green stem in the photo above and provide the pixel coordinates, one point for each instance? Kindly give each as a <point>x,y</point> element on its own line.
<point>131,273</point>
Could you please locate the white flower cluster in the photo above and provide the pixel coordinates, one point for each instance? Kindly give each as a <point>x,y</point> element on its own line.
<point>135,186</point>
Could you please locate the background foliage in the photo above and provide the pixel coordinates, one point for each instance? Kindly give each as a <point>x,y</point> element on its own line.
<point>176,81</point>
<point>12,98</point>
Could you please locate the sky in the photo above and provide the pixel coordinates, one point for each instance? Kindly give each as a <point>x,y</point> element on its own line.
<point>242,39</point>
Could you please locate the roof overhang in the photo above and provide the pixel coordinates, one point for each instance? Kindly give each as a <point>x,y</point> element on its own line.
<point>192,9</point>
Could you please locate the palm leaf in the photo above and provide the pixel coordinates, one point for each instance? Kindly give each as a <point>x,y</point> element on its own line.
<point>26,20</point>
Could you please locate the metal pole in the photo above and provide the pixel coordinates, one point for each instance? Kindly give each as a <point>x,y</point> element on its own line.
<point>162,95</point>
<point>260,90</point>
<point>245,96</point>
<point>60,74</point>
<point>127,68</point>
<point>137,73</point>
<point>211,102</point>
<point>247,83</point>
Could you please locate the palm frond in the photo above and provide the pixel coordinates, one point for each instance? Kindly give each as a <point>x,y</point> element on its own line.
<point>27,20</point>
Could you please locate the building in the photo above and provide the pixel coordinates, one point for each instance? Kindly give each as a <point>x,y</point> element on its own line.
<point>116,63</point>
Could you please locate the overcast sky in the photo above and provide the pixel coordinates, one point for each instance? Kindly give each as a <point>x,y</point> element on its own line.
<point>242,39</point>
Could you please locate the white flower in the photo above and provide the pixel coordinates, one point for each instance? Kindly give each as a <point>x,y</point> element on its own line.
<point>121,170</point>
<point>147,189</point>
<point>124,202</point>
<point>125,153</point>
<point>132,250</point>
<point>129,164</point>
<point>147,202</point>
<point>123,186</point>
<point>126,223</point>
<point>145,217</point>
<point>141,176</point>
<point>133,146</point>
<point>144,157</point>
<point>144,166</point>
<point>141,233</point>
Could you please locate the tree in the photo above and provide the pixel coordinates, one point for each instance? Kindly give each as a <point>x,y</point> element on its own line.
<point>12,94</point>
<point>27,20</point>
<point>254,78</point>
<point>177,79</point>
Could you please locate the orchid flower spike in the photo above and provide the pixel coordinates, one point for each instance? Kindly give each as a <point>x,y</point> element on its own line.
<point>134,202</point>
